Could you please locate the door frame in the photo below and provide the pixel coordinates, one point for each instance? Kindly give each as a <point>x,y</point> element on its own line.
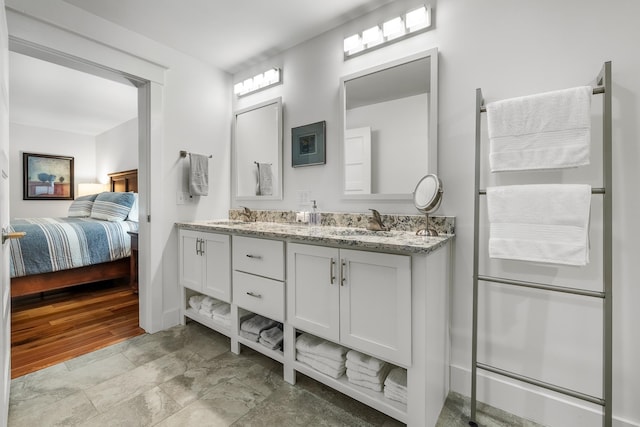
<point>149,146</point>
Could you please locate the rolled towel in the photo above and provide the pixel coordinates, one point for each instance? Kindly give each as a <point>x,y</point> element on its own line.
<point>333,364</point>
<point>366,361</point>
<point>397,377</point>
<point>320,367</point>
<point>208,302</point>
<point>222,309</point>
<point>257,324</point>
<point>363,376</point>
<point>312,344</point>
<point>195,301</point>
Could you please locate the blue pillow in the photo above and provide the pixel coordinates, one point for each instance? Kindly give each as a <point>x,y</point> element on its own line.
<point>112,206</point>
<point>81,206</point>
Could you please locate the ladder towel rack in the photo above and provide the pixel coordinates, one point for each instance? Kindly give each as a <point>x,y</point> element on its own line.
<point>603,87</point>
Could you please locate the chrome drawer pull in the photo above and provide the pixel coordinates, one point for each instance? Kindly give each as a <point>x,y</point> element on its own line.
<point>331,266</point>
<point>254,256</point>
<point>253,294</point>
<point>343,277</point>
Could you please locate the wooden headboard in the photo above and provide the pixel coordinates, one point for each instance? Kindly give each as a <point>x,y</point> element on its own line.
<point>124,181</point>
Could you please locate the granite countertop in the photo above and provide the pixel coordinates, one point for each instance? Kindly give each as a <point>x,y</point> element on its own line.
<point>346,237</point>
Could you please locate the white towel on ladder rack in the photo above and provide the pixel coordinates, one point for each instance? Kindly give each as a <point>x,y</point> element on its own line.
<point>540,223</point>
<point>544,131</point>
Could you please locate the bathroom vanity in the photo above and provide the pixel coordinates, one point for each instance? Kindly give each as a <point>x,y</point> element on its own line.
<point>384,294</point>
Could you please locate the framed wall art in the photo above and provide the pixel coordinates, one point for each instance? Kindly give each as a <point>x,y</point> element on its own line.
<point>308,145</point>
<point>47,177</point>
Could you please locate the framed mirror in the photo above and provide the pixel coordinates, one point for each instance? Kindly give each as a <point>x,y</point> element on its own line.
<point>257,149</point>
<point>389,138</point>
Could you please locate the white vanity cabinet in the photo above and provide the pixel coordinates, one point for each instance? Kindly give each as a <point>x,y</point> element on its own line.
<point>357,298</point>
<point>205,263</point>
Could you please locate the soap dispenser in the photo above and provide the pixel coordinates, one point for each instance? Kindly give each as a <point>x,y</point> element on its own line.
<point>314,215</point>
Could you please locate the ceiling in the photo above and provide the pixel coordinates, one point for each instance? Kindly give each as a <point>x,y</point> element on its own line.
<point>228,34</point>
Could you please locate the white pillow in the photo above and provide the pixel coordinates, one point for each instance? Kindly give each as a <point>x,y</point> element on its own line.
<point>133,213</point>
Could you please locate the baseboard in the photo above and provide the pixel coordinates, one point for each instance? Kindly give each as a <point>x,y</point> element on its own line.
<point>170,318</point>
<point>529,402</point>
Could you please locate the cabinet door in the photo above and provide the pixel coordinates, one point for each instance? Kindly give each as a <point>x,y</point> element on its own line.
<point>190,262</point>
<point>217,263</point>
<point>375,304</point>
<point>313,290</point>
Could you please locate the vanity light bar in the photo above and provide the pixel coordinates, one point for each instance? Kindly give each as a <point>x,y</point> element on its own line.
<point>260,81</point>
<point>395,29</point>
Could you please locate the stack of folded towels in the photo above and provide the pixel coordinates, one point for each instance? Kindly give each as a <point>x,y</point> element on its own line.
<point>395,386</point>
<point>366,371</point>
<point>272,337</point>
<point>218,311</point>
<point>253,326</point>
<point>323,356</point>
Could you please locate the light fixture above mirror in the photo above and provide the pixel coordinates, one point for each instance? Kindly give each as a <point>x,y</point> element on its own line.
<point>271,77</point>
<point>395,29</point>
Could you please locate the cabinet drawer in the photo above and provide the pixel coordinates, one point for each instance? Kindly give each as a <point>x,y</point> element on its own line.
<point>259,295</point>
<point>259,256</point>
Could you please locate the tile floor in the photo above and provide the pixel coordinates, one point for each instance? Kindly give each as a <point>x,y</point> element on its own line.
<point>186,376</point>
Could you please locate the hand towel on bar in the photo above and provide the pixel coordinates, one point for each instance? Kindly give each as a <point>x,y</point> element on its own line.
<point>265,179</point>
<point>198,175</point>
<point>366,361</point>
<point>544,131</point>
<point>312,344</point>
<point>540,223</point>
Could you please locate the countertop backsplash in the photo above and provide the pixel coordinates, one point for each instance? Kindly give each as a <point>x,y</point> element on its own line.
<point>442,224</point>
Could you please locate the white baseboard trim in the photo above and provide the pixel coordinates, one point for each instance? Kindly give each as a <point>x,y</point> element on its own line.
<point>170,318</point>
<point>530,402</point>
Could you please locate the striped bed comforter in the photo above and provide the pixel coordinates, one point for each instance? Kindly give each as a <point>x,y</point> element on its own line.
<point>54,244</point>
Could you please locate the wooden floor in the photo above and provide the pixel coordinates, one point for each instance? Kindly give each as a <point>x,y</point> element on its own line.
<point>61,325</point>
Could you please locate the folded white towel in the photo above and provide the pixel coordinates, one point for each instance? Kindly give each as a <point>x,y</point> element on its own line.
<point>395,395</point>
<point>540,223</point>
<point>312,344</point>
<point>333,364</point>
<point>320,367</point>
<point>222,320</point>
<point>198,175</point>
<point>365,384</point>
<point>269,345</point>
<point>257,324</point>
<point>397,378</point>
<point>400,391</point>
<point>358,374</point>
<point>366,361</point>
<point>265,179</point>
<point>273,336</point>
<point>366,371</point>
<point>204,311</point>
<point>544,131</point>
<point>249,335</point>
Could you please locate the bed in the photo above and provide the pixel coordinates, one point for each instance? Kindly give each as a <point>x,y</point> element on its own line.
<point>90,245</point>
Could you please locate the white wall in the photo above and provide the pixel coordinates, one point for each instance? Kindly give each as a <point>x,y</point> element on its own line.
<point>47,141</point>
<point>117,150</point>
<point>508,49</point>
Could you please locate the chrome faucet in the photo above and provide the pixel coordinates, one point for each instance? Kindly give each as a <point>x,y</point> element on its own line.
<point>246,214</point>
<point>375,222</point>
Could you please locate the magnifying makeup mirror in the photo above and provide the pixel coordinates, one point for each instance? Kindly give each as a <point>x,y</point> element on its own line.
<point>427,198</point>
